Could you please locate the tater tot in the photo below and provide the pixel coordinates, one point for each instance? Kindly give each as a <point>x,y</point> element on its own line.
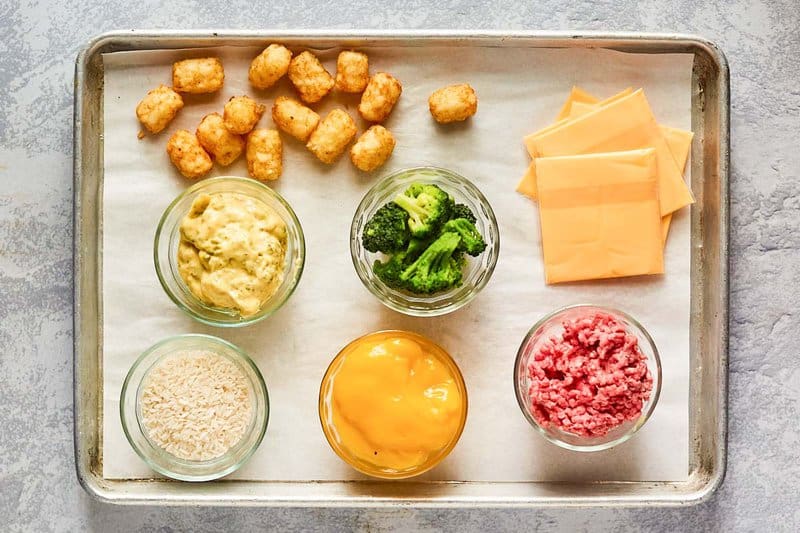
<point>264,154</point>
<point>198,76</point>
<point>352,72</point>
<point>187,155</point>
<point>241,114</point>
<point>224,146</point>
<point>309,77</point>
<point>372,149</point>
<point>269,66</point>
<point>294,118</point>
<point>332,136</point>
<point>453,103</point>
<point>158,108</point>
<point>379,97</point>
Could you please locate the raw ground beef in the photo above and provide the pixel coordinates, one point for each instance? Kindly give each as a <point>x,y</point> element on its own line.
<point>590,379</point>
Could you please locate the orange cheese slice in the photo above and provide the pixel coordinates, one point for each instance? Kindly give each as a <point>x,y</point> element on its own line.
<point>527,185</point>
<point>575,95</point>
<point>578,96</point>
<point>577,109</point>
<point>600,215</point>
<point>624,124</point>
<point>679,143</point>
<point>580,102</point>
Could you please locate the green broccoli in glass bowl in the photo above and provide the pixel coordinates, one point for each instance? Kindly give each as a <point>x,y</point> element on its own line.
<point>423,240</point>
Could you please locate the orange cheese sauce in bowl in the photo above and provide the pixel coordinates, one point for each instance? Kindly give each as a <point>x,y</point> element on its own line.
<point>392,404</point>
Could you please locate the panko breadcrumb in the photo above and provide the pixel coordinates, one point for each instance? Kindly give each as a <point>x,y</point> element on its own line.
<point>269,66</point>
<point>309,77</point>
<point>187,155</point>
<point>198,76</point>
<point>379,97</point>
<point>332,136</point>
<point>264,154</point>
<point>352,72</point>
<point>158,108</point>
<point>294,118</point>
<point>372,149</point>
<point>223,145</point>
<point>453,103</point>
<point>241,114</point>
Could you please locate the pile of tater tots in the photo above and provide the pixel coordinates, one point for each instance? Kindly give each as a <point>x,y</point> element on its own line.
<point>222,138</point>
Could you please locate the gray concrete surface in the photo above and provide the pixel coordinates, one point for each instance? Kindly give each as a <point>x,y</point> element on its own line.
<point>38,43</point>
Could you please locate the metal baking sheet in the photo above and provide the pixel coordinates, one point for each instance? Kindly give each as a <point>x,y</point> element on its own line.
<point>708,321</point>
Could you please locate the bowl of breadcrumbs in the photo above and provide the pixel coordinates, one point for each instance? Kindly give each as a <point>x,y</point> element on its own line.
<point>194,407</point>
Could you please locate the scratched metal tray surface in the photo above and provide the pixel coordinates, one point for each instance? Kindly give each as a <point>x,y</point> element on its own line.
<point>708,308</point>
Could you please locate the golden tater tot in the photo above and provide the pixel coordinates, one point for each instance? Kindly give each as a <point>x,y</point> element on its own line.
<point>158,108</point>
<point>332,136</point>
<point>453,103</point>
<point>294,118</point>
<point>309,77</point>
<point>187,155</point>
<point>224,146</point>
<point>379,97</point>
<point>372,149</point>
<point>264,154</point>
<point>241,114</point>
<point>198,76</point>
<point>352,72</point>
<point>269,66</point>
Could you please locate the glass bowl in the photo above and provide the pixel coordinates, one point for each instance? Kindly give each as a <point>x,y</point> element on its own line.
<point>478,269</point>
<point>551,325</point>
<point>168,237</point>
<point>329,427</point>
<point>161,460</point>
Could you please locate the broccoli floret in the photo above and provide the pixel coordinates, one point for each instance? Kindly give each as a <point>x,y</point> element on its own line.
<point>415,249</point>
<point>387,230</point>
<point>437,269</point>
<point>471,239</point>
<point>462,211</point>
<point>390,271</point>
<point>414,189</point>
<point>428,208</point>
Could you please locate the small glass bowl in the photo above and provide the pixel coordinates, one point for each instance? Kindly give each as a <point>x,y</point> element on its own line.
<point>326,409</point>
<point>478,269</point>
<point>166,463</point>
<point>551,325</point>
<point>168,237</point>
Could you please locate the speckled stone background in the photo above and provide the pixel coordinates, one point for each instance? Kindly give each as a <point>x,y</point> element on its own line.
<point>39,40</point>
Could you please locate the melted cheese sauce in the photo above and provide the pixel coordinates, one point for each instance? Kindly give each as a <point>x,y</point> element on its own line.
<point>393,403</point>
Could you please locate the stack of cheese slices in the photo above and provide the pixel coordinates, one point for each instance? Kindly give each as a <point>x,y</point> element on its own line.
<point>607,178</point>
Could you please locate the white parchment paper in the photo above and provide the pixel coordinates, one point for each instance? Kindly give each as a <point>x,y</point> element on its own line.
<point>519,90</point>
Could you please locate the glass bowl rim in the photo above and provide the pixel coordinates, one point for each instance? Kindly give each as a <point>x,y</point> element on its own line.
<point>259,389</point>
<point>443,453</point>
<point>368,280</point>
<point>260,187</point>
<point>639,422</point>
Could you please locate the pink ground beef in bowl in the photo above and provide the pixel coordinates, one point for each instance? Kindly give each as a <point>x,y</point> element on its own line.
<point>590,379</point>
